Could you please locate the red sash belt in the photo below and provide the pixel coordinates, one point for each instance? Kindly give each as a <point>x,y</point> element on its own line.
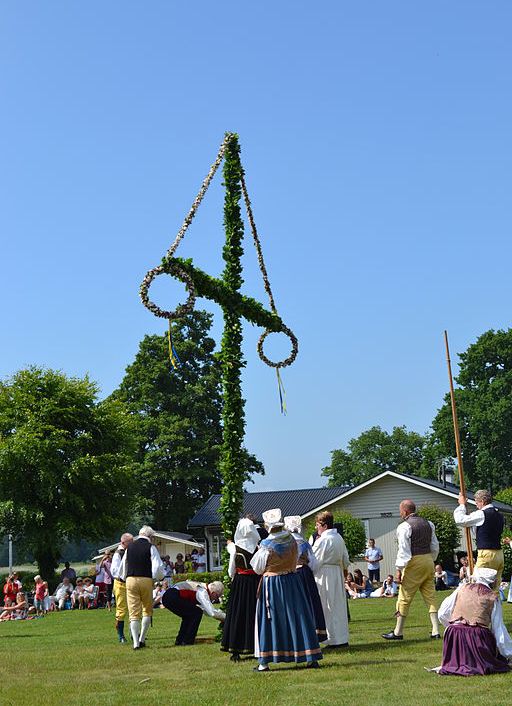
<point>245,571</point>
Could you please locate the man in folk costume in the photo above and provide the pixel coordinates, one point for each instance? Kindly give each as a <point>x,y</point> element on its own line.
<point>307,565</point>
<point>120,585</point>
<point>189,600</point>
<point>285,624</point>
<point>417,550</point>
<point>476,640</point>
<point>489,524</point>
<point>238,631</point>
<point>140,566</point>
<point>332,556</point>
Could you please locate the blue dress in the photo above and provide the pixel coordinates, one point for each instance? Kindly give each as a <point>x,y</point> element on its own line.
<point>285,623</point>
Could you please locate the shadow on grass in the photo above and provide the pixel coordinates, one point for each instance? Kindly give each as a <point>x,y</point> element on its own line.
<point>17,637</point>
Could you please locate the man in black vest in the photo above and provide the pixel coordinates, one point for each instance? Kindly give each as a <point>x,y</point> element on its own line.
<point>417,550</point>
<point>140,566</point>
<point>489,524</point>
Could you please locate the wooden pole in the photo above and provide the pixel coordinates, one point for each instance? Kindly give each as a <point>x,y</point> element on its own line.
<point>462,483</point>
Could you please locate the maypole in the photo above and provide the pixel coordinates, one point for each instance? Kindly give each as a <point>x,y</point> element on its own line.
<point>462,484</point>
<point>235,307</point>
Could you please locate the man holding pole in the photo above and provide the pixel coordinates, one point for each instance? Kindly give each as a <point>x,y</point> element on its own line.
<point>417,550</point>
<point>489,524</point>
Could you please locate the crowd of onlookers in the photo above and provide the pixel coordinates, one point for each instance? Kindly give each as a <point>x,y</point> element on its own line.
<point>84,592</point>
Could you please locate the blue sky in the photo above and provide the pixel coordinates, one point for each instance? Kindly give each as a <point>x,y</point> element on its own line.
<point>377,147</point>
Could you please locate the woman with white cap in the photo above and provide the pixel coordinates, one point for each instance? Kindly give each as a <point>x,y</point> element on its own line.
<point>285,624</point>
<point>476,640</point>
<point>238,631</point>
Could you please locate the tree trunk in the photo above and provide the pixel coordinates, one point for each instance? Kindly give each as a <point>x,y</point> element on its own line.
<point>47,557</point>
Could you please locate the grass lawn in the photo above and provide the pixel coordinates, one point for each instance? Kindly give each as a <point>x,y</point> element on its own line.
<point>73,658</point>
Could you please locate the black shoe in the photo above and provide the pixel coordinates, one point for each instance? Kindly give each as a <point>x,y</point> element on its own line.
<point>180,643</point>
<point>141,645</point>
<point>334,647</point>
<point>391,636</point>
<point>235,657</point>
<point>435,637</point>
<point>313,665</point>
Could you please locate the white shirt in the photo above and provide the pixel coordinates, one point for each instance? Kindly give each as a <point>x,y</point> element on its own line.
<point>202,597</point>
<point>330,548</point>
<point>498,629</point>
<point>403,535</point>
<point>116,563</point>
<point>474,519</point>
<point>200,563</point>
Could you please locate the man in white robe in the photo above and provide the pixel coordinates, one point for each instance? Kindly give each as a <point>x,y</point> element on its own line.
<point>333,560</point>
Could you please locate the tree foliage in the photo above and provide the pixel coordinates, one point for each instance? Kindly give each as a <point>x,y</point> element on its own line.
<point>447,532</point>
<point>373,452</point>
<point>177,417</point>
<point>484,406</point>
<point>66,463</point>
<point>353,532</point>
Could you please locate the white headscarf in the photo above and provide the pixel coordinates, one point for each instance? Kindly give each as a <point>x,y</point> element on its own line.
<point>293,523</point>
<point>273,518</point>
<point>483,575</point>
<point>246,535</point>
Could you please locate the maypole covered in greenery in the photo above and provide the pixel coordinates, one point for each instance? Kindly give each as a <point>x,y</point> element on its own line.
<point>235,306</point>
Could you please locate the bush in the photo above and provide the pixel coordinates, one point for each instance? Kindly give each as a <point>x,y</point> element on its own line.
<point>504,496</point>
<point>353,532</point>
<point>447,532</point>
<point>205,577</point>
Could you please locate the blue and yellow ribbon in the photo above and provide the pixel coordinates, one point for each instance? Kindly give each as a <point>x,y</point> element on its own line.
<point>282,392</point>
<point>173,355</point>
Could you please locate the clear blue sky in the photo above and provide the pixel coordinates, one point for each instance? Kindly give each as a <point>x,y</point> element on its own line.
<point>376,140</point>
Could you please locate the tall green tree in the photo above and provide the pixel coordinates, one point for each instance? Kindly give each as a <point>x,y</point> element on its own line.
<point>484,406</point>
<point>66,463</point>
<point>375,451</point>
<point>178,421</point>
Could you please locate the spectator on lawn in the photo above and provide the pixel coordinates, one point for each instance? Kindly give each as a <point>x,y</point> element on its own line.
<point>441,578</point>
<point>464,570</point>
<point>62,593</point>
<point>100,579</point>
<point>350,585</point>
<point>189,565</point>
<point>107,577</point>
<point>387,590</point>
<point>157,595</point>
<point>12,587</point>
<point>87,597</point>
<point>77,593</point>
<point>16,611</point>
<point>200,561</point>
<point>373,556</point>
<point>141,565</point>
<point>68,573</point>
<point>362,584</point>
<point>179,564</point>
<point>168,566</point>
<point>40,594</point>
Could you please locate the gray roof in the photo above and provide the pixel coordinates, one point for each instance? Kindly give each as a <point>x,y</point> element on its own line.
<point>452,488</point>
<point>291,502</point>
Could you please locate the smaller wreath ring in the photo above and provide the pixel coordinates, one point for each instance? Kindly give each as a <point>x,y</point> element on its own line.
<point>181,309</point>
<point>287,361</point>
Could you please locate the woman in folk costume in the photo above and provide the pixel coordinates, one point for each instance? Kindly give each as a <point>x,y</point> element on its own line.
<point>306,567</point>
<point>476,640</point>
<point>238,631</point>
<point>333,560</point>
<point>285,624</point>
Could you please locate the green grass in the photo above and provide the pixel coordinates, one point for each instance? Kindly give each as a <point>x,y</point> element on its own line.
<point>73,658</point>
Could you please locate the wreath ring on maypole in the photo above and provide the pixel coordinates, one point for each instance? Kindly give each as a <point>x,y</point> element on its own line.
<point>181,309</point>
<point>287,361</point>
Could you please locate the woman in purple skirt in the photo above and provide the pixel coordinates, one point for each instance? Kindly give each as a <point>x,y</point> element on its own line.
<point>476,640</point>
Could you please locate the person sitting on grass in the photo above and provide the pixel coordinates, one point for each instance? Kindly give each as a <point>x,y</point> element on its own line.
<point>11,587</point>
<point>350,585</point>
<point>40,594</point>
<point>362,585</point>
<point>16,611</point>
<point>388,589</point>
<point>441,578</point>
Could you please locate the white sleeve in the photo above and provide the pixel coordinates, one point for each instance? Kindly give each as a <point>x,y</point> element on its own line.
<point>474,519</point>
<point>445,611</point>
<point>259,560</point>
<point>157,565</point>
<point>116,563</point>
<point>312,560</point>
<point>403,535</point>
<point>434,543</point>
<point>121,574</point>
<point>319,549</point>
<point>231,548</point>
<point>500,632</point>
<point>204,601</point>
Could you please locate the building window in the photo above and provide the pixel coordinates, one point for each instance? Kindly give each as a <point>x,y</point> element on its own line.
<point>218,544</point>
